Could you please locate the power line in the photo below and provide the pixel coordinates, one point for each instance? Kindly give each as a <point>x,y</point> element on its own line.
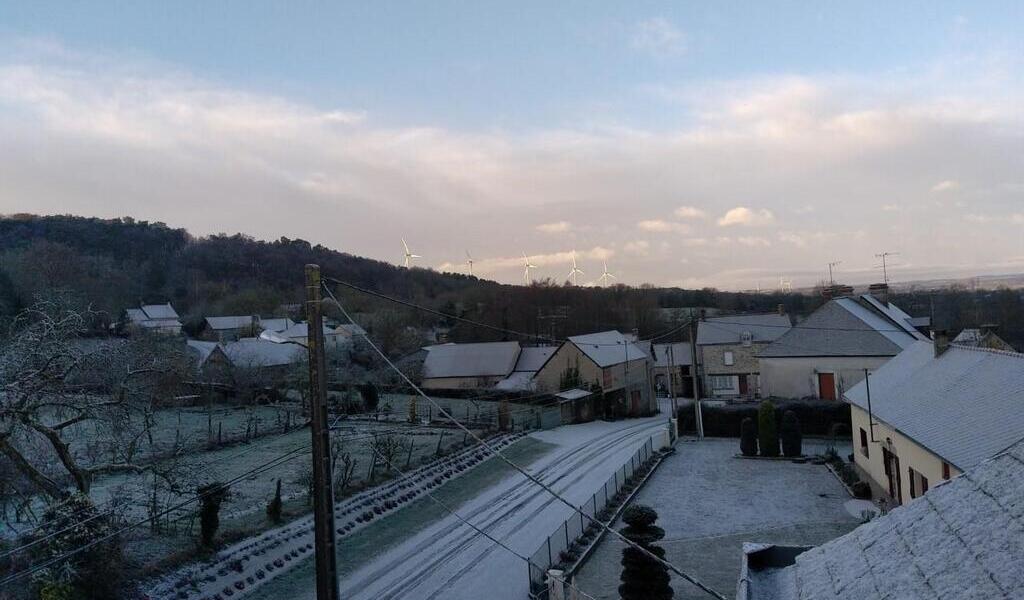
<point>692,579</point>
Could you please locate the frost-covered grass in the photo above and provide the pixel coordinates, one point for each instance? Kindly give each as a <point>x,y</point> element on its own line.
<point>710,502</point>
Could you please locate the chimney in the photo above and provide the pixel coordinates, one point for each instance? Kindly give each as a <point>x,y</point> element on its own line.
<point>941,339</point>
<point>782,310</point>
<point>880,291</point>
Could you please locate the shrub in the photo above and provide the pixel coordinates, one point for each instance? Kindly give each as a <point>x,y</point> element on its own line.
<point>861,490</point>
<point>643,578</point>
<point>767,434</point>
<point>792,440</point>
<point>370,397</point>
<point>275,505</point>
<point>211,496</point>
<point>748,437</point>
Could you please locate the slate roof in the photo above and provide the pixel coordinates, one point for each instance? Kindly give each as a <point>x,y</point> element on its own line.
<point>233,322</point>
<point>276,324</point>
<point>608,348</point>
<point>532,358</point>
<point>254,353</point>
<point>847,327</point>
<point>202,350</point>
<point>301,330</point>
<point>486,359</point>
<point>730,329</point>
<point>160,311</point>
<point>681,356</point>
<point>517,381</point>
<point>964,406</point>
<point>154,316</point>
<point>963,539</point>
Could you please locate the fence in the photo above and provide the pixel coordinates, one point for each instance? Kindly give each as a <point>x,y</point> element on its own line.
<point>558,546</point>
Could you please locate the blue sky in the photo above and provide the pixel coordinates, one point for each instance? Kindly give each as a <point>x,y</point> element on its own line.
<point>717,144</point>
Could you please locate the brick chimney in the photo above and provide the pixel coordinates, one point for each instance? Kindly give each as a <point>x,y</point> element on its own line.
<point>880,291</point>
<point>941,340</point>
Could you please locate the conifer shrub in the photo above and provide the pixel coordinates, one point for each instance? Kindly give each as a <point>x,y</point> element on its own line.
<point>767,434</point>
<point>748,437</point>
<point>643,577</point>
<point>792,440</point>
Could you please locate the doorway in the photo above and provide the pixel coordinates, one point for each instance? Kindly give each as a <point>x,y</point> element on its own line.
<point>827,386</point>
<point>892,473</point>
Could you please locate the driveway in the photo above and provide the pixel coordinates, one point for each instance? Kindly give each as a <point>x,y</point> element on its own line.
<point>709,502</point>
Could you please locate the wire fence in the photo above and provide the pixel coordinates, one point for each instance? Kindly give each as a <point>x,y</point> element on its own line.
<point>561,548</point>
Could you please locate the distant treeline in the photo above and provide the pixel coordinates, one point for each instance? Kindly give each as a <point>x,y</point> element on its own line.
<point>118,263</point>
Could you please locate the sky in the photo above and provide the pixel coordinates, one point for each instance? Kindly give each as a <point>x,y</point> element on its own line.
<point>721,144</point>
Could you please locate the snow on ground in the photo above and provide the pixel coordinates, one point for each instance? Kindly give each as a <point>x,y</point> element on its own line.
<point>448,559</point>
<point>709,502</point>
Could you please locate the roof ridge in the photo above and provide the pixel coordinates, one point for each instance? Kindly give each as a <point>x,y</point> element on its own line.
<point>986,350</point>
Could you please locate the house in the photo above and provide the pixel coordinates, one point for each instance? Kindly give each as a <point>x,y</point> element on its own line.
<point>728,349</point>
<point>212,363</point>
<point>609,362</point>
<point>938,410</point>
<point>671,369</point>
<point>275,324</point>
<point>830,350</point>
<point>964,539</point>
<point>469,366</point>
<point>982,337</point>
<point>158,318</point>
<point>262,358</point>
<point>531,359</point>
<point>230,329</point>
<point>333,339</point>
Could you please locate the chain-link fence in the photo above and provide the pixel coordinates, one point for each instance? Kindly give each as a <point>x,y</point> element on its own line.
<point>560,547</point>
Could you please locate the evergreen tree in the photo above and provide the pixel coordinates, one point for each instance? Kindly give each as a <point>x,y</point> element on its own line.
<point>748,437</point>
<point>643,578</point>
<point>792,439</point>
<point>275,505</point>
<point>211,496</point>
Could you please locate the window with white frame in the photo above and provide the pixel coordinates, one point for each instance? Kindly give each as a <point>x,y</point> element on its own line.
<point>721,383</point>
<point>729,359</point>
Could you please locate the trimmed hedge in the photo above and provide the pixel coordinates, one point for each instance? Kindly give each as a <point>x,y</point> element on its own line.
<point>817,417</point>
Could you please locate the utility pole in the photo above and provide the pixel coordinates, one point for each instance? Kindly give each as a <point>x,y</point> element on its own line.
<point>323,496</point>
<point>695,368</point>
<point>671,376</point>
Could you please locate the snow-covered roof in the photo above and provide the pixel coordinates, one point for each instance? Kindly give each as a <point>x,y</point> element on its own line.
<point>301,330</point>
<point>731,329</point>
<point>963,539</point>
<point>532,358</point>
<point>202,349</point>
<point>573,394</point>
<point>608,348</point>
<point>135,315</point>
<point>681,355</point>
<point>160,311</point>
<point>233,322</point>
<point>350,329</point>
<point>159,323</point>
<point>965,406</point>
<point>253,352</point>
<point>486,359</point>
<point>518,381</point>
<point>276,324</point>
<point>847,327</point>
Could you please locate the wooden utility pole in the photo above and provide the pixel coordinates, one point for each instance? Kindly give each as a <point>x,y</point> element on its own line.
<point>323,496</point>
<point>695,369</point>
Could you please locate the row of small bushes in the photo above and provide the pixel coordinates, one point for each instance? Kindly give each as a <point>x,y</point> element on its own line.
<point>817,417</point>
<point>763,436</point>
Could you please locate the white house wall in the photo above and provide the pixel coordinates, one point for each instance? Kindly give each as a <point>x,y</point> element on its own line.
<point>797,377</point>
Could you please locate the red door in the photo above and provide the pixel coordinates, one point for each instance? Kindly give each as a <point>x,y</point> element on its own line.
<point>827,386</point>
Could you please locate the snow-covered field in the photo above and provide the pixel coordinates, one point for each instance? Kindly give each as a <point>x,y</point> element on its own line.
<point>448,559</point>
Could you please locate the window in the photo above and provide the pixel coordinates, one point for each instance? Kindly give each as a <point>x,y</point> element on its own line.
<point>747,338</point>
<point>918,483</point>
<point>945,470</point>
<point>729,359</point>
<point>864,443</point>
<point>721,382</point>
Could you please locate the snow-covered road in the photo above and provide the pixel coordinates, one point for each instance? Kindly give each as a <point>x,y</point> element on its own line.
<point>448,559</point>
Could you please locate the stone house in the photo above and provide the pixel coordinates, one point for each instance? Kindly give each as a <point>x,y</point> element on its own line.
<point>728,349</point>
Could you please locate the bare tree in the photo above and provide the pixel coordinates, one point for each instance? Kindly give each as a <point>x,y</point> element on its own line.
<point>344,467</point>
<point>386,449</point>
<point>74,408</point>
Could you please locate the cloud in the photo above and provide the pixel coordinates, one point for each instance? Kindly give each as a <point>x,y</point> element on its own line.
<point>742,215</point>
<point>803,239</point>
<point>556,227</point>
<point>689,212</point>
<point>947,185</point>
<point>662,226</point>
<point>754,241</point>
<point>658,37</point>
<point>637,247</point>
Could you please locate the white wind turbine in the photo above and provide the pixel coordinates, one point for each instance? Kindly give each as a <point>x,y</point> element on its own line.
<point>469,262</point>
<point>574,271</point>
<point>527,265</point>
<point>606,275</point>
<point>408,255</point>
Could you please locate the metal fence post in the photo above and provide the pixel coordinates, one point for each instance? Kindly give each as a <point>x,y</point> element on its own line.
<point>550,560</point>
<point>565,526</point>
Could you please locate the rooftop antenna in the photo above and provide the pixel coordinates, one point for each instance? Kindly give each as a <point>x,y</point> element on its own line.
<point>527,265</point>
<point>785,285</point>
<point>885,268</point>
<point>574,271</point>
<point>408,255</point>
<point>469,262</point>
<point>606,275</point>
<point>832,265</point>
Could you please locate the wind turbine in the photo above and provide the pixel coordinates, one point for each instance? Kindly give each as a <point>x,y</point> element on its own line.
<point>574,271</point>
<point>527,265</point>
<point>469,262</point>
<point>606,275</point>
<point>408,255</point>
